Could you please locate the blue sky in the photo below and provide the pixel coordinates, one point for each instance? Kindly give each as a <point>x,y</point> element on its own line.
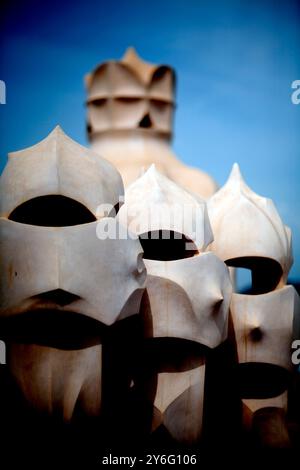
<point>235,62</point>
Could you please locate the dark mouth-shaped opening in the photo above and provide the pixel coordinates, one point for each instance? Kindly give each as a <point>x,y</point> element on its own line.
<point>173,354</point>
<point>167,245</point>
<point>57,296</point>
<point>265,273</point>
<point>53,328</point>
<point>145,122</point>
<point>260,380</point>
<point>52,211</point>
<point>68,330</point>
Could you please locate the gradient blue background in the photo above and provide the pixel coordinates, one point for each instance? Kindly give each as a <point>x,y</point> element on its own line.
<point>235,62</point>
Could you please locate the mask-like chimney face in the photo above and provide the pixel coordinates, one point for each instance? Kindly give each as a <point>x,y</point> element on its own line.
<point>249,233</point>
<point>185,308</point>
<point>155,209</point>
<point>130,94</point>
<point>265,326</point>
<point>50,199</point>
<point>154,203</point>
<point>58,301</point>
<point>58,166</point>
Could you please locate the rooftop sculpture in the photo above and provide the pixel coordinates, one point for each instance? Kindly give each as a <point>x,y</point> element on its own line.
<point>139,331</point>
<point>130,108</point>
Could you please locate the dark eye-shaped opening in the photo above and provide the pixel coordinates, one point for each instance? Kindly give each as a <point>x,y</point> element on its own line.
<point>128,99</point>
<point>263,274</point>
<point>52,211</point>
<point>99,101</point>
<point>167,245</point>
<point>160,104</point>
